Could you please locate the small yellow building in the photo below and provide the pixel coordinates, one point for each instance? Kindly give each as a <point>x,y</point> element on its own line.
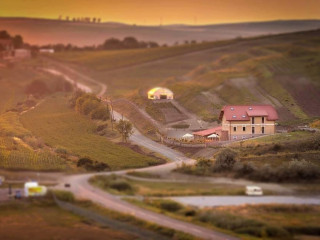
<point>160,93</point>
<point>241,122</point>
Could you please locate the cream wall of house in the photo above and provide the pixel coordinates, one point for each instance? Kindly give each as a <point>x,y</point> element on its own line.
<point>245,127</point>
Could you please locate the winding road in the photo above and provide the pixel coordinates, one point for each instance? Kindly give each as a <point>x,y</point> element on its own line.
<point>81,188</point>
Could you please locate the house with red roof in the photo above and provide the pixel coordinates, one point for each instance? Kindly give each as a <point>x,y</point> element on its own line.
<point>246,121</point>
<point>242,122</point>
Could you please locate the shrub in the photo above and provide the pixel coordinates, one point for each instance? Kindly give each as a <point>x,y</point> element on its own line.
<point>243,169</point>
<point>276,232</point>
<point>89,165</point>
<point>120,186</point>
<point>64,196</point>
<point>225,160</point>
<point>170,206</point>
<point>61,150</point>
<point>101,113</point>
<point>83,162</point>
<point>89,106</point>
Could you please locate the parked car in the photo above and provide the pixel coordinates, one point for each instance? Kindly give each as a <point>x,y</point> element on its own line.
<point>254,191</point>
<point>67,185</point>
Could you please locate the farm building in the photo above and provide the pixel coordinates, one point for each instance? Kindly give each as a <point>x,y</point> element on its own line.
<point>6,48</point>
<point>212,134</point>
<point>160,93</point>
<point>241,122</point>
<point>46,50</point>
<point>22,53</point>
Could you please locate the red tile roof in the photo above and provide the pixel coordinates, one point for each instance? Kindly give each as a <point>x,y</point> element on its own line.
<point>208,132</point>
<point>244,112</point>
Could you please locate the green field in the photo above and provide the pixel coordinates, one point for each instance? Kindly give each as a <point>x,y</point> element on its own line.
<point>60,126</point>
<point>110,60</point>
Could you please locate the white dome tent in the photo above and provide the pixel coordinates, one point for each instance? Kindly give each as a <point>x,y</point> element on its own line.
<point>160,93</point>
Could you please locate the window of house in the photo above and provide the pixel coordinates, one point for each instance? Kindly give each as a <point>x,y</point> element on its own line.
<point>234,129</point>
<point>262,119</point>
<point>252,130</point>
<point>262,130</point>
<point>243,129</point>
<point>234,137</point>
<point>243,137</point>
<point>252,120</point>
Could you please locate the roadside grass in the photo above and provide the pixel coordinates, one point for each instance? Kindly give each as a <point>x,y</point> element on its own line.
<point>161,189</point>
<point>272,221</point>
<point>42,218</point>
<point>143,174</point>
<point>60,126</point>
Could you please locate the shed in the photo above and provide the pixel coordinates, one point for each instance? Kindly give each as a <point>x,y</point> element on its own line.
<point>160,93</point>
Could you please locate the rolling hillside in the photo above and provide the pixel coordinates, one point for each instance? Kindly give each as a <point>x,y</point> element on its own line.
<point>44,31</point>
<point>281,70</point>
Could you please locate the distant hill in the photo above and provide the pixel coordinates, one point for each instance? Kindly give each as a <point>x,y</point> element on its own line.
<point>44,31</point>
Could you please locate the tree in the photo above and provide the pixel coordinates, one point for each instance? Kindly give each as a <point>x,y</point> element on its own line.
<point>125,128</point>
<point>4,35</point>
<point>225,160</point>
<point>112,43</point>
<point>130,42</point>
<point>101,113</point>
<point>88,106</point>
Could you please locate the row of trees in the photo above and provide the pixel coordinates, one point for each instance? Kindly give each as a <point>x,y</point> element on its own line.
<point>88,104</point>
<point>80,19</point>
<point>109,44</point>
<point>127,43</point>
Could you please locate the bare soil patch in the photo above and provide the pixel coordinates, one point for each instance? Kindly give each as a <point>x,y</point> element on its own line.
<point>304,92</point>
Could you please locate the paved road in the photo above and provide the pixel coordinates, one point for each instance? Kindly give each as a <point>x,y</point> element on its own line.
<point>210,201</point>
<point>83,190</point>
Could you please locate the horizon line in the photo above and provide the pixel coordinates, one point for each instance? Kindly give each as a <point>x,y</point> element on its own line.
<point>168,24</point>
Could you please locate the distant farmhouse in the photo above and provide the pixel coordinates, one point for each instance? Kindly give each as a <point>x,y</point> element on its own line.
<point>160,93</point>
<point>241,122</point>
<point>6,48</point>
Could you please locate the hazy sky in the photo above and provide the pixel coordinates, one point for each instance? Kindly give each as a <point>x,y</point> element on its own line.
<point>166,11</point>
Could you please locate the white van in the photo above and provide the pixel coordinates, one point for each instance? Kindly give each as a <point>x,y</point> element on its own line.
<point>254,191</point>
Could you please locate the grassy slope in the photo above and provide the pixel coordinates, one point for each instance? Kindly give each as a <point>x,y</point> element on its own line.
<point>265,58</point>
<point>60,126</point>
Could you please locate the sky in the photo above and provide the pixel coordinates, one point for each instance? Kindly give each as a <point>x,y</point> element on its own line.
<point>154,12</point>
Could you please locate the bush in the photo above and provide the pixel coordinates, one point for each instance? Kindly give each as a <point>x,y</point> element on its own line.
<point>83,162</point>
<point>89,106</point>
<point>225,160</point>
<point>243,169</point>
<point>64,196</point>
<point>100,113</point>
<point>170,206</point>
<point>120,186</point>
